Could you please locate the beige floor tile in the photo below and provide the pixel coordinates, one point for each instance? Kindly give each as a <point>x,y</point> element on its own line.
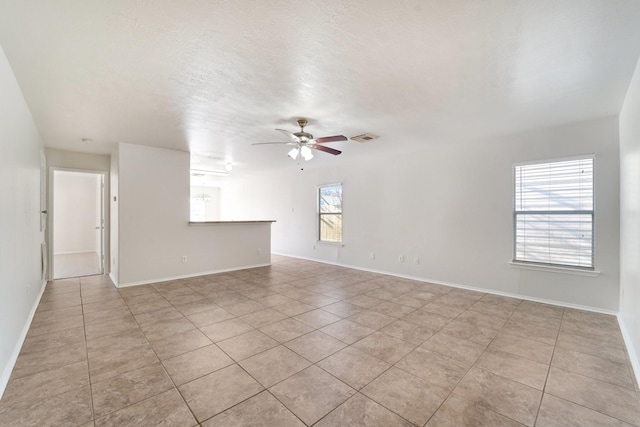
<point>165,328</point>
<point>384,347</point>
<point>118,341</point>
<point>57,324</point>
<point>69,408</point>
<point>443,309</point>
<point>342,309</point>
<point>264,317</point>
<point>59,314</point>
<point>223,330</point>
<point>126,389</point>
<point>66,337</point>
<point>537,319</point>
<point>40,361</point>
<point>261,410</point>
<point>469,331</point>
<point>318,300</point>
<point>101,316</point>
<point>531,332</point>
<point>372,319</point>
<point>315,346</point>
<point>509,398</point>
<point>244,307</point>
<point>198,306</point>
<point>155,316</point>
<point>392,309</point>
<point>100,304</point>
<point>483,320</point>
<point>347,331</point>
<point>354,367</point>
<point>609,399</point>
<point>317,318</point>
<point>360,411</point>
<point>286,330</point>
<point>407,395</point>
<point>195,364</point>
<point>218,391</point>
<point>274,365</point>
<point>425,318</point>
<point>617,373</point>
<point>166,409</point>
<point>463,351</point>
<point>434,368</point>
<point>293,308</point>
<point>177,344</point>
<point>593,346</point>
<point>144,307</point>
<point>459,412</point>
<point>204,318</point>
<point>47,383</point>
<point>560,412</point>
<point>246,345</point>
<point>110,327</point>
<point>410,332</point>
<point>106,364</point>
<point>525,371</point>
<point>311,394</point>
<point>529,349</point>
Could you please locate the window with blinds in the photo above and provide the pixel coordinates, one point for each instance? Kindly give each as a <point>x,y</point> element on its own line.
<point>330,213</point>
<point>553,213</point>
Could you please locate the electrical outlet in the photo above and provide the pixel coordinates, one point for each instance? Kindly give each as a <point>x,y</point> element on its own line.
<point>372,255</point>
<point>184,258</point>
<point>400,258</point>
<point>416,261</point>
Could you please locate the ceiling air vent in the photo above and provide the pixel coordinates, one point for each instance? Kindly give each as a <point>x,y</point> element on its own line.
<point>365,137</point>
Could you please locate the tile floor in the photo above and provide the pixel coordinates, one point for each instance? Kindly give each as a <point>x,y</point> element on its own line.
<point>302,343</point>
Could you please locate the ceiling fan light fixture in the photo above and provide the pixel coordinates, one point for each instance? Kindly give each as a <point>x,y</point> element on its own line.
<point>306,152</point>
<point>294,153</point>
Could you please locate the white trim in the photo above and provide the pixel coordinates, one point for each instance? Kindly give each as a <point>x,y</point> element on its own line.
<point>556,160</point>
<point>554,269</point>
<point>186,276</point>
<point>6,373</point>
<point>323,242</point>
<point>628,343</point>
<point>113,279</point>
<point>76,252</point>
<point>459,286</point>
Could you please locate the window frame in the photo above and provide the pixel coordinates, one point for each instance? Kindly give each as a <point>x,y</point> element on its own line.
<point>320,214</point>
<point>559,267</point>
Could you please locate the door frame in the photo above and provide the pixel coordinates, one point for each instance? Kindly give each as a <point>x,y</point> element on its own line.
<point>103,217</point>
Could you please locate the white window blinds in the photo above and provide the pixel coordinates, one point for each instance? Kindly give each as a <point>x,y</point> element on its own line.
<point>553,213</point>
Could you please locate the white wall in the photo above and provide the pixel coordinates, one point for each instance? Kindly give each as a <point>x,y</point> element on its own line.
<point>114,209</point>
<point>630,220</point>
<point>20,235</point>
<point>153,223</point>
<point>449,205</point>
<point>75,209</point>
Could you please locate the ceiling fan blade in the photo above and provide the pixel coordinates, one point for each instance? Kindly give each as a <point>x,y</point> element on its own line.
<point>325,149</point>
<point>330,139</point>
<point>265,143</point>
<point>290,135</point>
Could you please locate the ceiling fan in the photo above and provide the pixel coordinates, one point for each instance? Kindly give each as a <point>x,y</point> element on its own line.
<point>305,142</point>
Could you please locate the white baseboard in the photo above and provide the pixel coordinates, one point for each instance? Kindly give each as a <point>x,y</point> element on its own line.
<point>633,356</point>
<point>76,252</point>
<point>186,276</point>
<point>6,373</point>
<point>457,285</point>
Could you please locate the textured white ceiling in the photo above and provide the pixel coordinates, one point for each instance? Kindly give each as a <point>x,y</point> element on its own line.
<point>211,77</point>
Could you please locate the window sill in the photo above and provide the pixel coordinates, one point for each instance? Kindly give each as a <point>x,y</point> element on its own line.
<point>554,269</point>
<point>320,242</point>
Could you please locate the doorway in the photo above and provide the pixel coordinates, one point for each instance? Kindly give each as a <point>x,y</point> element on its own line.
<point>77,223</point>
